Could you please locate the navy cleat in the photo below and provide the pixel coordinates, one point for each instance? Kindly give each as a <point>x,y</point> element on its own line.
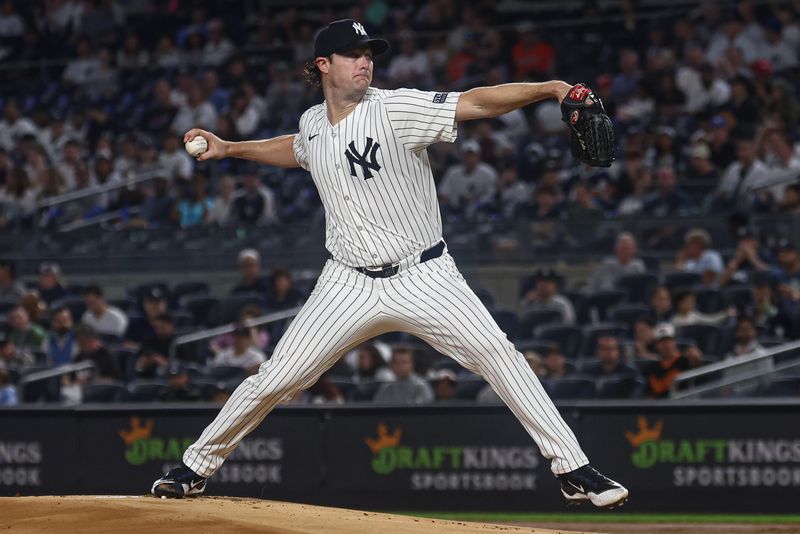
<point>178,483</point>
<point>586,484</point>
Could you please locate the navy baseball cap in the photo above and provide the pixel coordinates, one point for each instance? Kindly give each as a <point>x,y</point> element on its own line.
<point>343,35</point>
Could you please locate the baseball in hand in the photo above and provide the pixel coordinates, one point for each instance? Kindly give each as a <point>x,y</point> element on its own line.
<point>196,146</point>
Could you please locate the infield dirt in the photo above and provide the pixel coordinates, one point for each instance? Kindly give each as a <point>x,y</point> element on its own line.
<point>116,514</point>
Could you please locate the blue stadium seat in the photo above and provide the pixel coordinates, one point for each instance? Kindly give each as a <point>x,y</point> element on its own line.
<point>507,320</point>
<point>707,337</point>
<point>146,390</point>
<point>573,387</point>
<point>532,319</point>
<point>639,286</point>
<point>104,393</point>
<point>592,333</point>
<point>621,387</point>
<point>567,337</point>
<point>599,303</point>
<point>681,279</point>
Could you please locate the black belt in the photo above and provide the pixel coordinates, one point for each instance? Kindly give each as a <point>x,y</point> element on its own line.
<point>391,269</point>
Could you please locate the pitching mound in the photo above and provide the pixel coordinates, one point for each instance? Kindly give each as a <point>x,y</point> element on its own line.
<point>210,514</point>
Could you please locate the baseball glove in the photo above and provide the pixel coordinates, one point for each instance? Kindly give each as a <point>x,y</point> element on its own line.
<point>591,131</point>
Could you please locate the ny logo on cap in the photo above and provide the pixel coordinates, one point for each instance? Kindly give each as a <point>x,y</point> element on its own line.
<point>359,28</point>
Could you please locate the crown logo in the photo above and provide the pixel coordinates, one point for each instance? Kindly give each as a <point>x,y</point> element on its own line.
<point>137,431</point>
<point>644,432</point>
<point>384,440</point>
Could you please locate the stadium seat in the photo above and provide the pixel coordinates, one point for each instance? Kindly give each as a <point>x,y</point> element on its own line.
<point>126,358</point>
<point>627,314</point>
<point>7,305</point>
<point>366,391</point>
<point>639,286</point>
<point>592,333</point>
<point>707,337</point>
<point>597,304</point>
<point>533,319</point>
<point>620,387</point>
<point>228,308</point>
<point>572,387</point>
<point>183,289</point>
<point>224,372</point>
<point>567,337</point>
<point>709,300</point>
<point>104,393</point>
<point>537,345</point>
<point>681,279</point>
<point>486,297</point>
<point>508,322</point>
<point>146,390</point>
<point>738,296</point>
<point>468,389</point>
<point>201,308</point>
<point>125,304</point>
<point>345,386</point>
<point>783,386</point>
<point>207,388</point>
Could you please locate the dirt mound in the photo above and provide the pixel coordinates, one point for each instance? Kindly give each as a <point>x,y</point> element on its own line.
<point>215,514</point>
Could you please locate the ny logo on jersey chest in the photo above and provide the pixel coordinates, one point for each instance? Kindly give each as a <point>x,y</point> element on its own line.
<point>367,159</point>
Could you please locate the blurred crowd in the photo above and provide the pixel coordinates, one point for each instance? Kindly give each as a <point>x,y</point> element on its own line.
<point>625,331</point>
<point>704,99</point>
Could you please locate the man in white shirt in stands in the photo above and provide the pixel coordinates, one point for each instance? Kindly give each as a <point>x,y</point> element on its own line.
<point>243,354</point>
<point>696,256</point>
<point>102,318</point>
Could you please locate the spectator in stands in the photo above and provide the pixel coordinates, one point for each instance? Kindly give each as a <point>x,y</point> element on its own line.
<point>35,306</point>
<point>258,335</point>
<point>251,278</point>
<point>60,345</point>
<point>770,314</point>
<point>371,365</point>
<point>605,276</point>
<point>156,210</point>
<point>696,256</point>
<point>668,199</point>
<point>243,354</point>
<point>624,84</point>
<point>154,356</point>
<point>661,304</point>
<point>747,261</point>
<point>468,186</point>
<point>643,338</point>
<point>193,209</point>
<point>411,66</point>
<point>786,270</point>
<point>408,388</point>
<point>92,349</point>
<point>555,362</point>
<point>100,316</point>
<point>222,204</point>
<point>544,296</point>
<point>532,57</point>
<point>746,339</point>
<point>10,289</point>
<point>672,361</point>
<point>642,180</point>
<point>24,333</point>
<point>13,357</point>
<point>783,162</point>
<point>180,386</point>
<point>50,287</point>
<point>608,362</point>
<point>8,394</point>
<point>281,293</point>
<point>791,200</point>
<point>196,111</point>
<point>140,327</point>
<point>443,382</point>
<point>256,204</point>
<point>702,175</point>
<point>738,186</point>
<point>218,48</point>
<point>686,312</point>
<point>175,162</point>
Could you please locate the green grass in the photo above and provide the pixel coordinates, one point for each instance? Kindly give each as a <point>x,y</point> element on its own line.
<point>611,518</point>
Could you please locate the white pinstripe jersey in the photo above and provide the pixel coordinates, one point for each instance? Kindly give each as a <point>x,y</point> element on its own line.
<point>373,174</point>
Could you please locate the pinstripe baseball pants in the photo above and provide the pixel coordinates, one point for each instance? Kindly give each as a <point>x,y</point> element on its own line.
<point>430,300</point>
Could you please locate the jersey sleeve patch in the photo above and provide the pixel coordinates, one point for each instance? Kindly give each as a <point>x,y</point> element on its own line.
<point>440,98</point>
